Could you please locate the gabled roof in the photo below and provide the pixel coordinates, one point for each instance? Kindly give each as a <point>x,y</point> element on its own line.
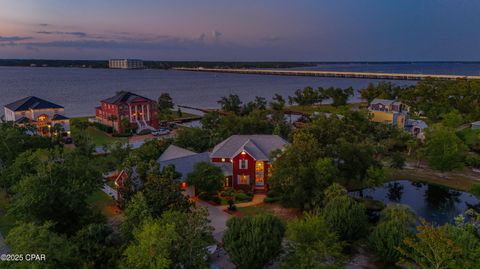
<point>258,146</point>
<point>174,152</point>
<point>23,120</point>
<point>416,123</point>
<point>59,117</point>
<point>186,164</point>
<point>125,97</point>
<point>385,102</point>
<point>31,102</point>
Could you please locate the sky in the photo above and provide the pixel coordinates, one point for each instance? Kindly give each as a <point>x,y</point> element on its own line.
<point>246,30</point>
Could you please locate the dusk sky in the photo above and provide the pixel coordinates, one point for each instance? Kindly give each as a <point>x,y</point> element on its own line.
<point>247,30</point>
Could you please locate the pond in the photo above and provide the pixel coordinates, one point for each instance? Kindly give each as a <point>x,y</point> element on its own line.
<point>437,204</point>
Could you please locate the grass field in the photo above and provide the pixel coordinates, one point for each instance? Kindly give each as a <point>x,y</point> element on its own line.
<point>99,137</point>
<point>104,203</point>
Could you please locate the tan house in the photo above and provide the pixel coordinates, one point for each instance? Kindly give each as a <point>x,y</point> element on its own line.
<point>46,116</point>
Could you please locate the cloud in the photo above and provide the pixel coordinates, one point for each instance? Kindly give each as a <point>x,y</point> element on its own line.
<point>14,38</point>
<point>272,38</point>
<point>43,24</point>
<point>77,34</point>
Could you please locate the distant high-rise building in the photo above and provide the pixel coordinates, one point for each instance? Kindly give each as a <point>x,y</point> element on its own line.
<point>125,64</point>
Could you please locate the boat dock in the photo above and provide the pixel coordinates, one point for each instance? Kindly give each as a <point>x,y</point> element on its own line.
<point>330,74</point>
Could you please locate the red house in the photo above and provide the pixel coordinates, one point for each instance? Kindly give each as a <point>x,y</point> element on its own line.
<point>245,160</point>
<point>127,110</point>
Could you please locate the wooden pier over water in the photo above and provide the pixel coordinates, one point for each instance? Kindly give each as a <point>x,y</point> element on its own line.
<point>331,74</point>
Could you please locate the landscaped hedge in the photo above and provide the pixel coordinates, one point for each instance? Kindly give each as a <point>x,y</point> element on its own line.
<point>103,127</point>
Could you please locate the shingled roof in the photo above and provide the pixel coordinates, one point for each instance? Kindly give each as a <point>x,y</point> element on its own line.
<point>174,152</point>
<point>124,97</point>
<point>258,146</point>
<point>183,159</point>
<point>32,102</point>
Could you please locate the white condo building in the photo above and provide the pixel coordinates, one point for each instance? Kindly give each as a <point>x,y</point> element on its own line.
<point>125,64</point>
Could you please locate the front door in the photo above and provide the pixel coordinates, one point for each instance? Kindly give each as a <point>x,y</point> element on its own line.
<point>259,173</point>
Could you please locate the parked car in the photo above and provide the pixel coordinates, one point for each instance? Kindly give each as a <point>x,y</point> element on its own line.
<point>161,131</point>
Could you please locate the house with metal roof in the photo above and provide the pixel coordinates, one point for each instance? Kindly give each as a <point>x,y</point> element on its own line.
<point>47,117</point>
<point>246,160</point>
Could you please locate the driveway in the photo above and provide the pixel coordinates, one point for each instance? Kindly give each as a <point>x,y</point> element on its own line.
<point>218,219</point>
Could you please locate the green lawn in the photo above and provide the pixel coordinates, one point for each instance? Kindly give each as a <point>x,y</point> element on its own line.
<point>184,116</point>
<point>99,137</point>
<point>104,203</point>
<point>255,210</point>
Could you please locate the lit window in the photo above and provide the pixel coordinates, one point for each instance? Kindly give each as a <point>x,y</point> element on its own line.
<point>243,164</point>
<point>243,179</point>
<point>223,160</point>
<point>227,183</point>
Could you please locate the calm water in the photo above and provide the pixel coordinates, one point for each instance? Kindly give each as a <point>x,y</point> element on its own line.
<point>437,204</point>
<point>79,90</point>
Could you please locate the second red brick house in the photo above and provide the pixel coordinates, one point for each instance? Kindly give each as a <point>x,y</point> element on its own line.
<point>126,107</point>
<point>244,159</point>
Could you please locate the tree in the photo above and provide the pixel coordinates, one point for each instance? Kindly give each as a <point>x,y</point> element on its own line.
<point>339,96</point>
<point>397,222</point>
<point>162,192</point>
<point>431,248</point>
<point>230,103</point>
<point>254,241</point>
<point>151,246</point>
<point>57,192</point>
<point>312,244</point>
<point>95,245</point>
<point>194,235</point>
<point>300,180</point>
<point>452,119</point>
<point>165,102</point>
<point>444,150</point>
<point>40,239</point>
<point>136,213</point>
<point>346,217</point>
<point>207,178</point>
<point>195,139</point>
<point>277,103</point>
<point>165,106</point>
<point>307,96</point>
<point>113,118</point>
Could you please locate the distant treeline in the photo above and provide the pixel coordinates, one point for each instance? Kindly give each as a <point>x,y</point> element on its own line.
<point>152,64</point>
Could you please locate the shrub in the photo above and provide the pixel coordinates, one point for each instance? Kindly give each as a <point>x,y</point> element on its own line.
<point>103,127</point>
<point>312,244</point>
<point>397,222</point>
<point>347,217</point>
<point>252,242</point>
<point>271,199</point>
<point>206,177</point>
<point>242,197</point>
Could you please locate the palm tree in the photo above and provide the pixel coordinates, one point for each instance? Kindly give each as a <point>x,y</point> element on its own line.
<point>112,118</point>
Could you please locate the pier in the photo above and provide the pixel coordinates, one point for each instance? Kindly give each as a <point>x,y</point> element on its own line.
<point>330,74</point>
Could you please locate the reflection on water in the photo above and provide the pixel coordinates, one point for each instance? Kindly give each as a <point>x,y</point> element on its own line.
<point>436,204</point>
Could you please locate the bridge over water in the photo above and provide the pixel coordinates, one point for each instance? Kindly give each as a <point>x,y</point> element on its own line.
<point>331,74</point>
